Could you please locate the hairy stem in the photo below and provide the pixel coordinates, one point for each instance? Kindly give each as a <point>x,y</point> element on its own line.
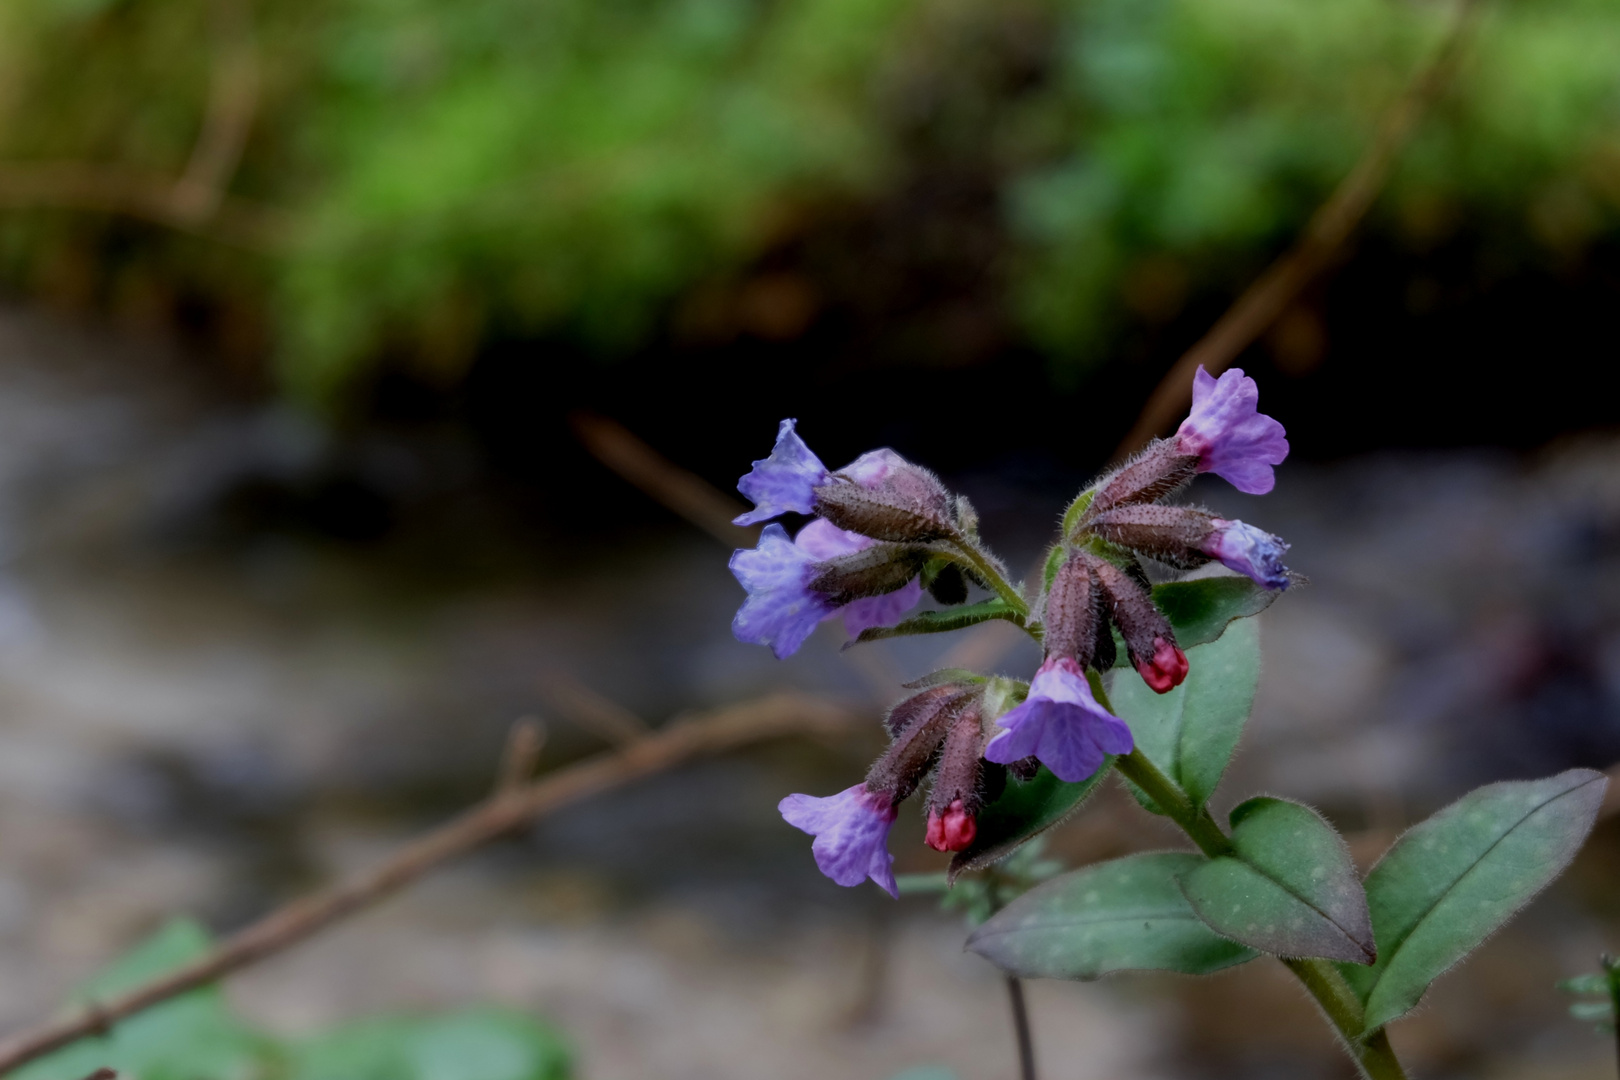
<point>1373,1056</point>
<point>983,567</point>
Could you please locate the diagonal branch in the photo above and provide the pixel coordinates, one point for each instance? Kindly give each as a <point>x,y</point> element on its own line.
<point>1264,301</point>
<point>510,806</point>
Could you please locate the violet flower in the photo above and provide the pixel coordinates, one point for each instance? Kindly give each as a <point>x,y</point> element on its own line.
<point>782,610</point>
<point>1060,724</point>
<point>1250,551</point>
<point>784,481</point>
<point>852,834</point>
<point>1229,435</point>
<point>787,480</point>
<point>824,540</point>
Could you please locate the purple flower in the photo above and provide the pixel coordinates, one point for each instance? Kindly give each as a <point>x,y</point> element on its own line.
<point>1229,435</point>
<point>1247,550</point>
<point>784,481</point>
<point>824,540</point>
<point>851,831</point>
<point>782,609</point>
<point>1061,724</point>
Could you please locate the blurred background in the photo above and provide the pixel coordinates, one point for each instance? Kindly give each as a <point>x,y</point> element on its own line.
<point>330,332</point>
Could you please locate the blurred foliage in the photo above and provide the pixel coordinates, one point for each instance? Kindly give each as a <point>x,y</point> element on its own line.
<point>1605,986</point>
<point>590,170</point>
<point>196,1037</point>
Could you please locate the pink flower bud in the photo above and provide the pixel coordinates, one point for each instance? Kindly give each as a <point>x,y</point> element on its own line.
<point>953,830</point>
<point>1165,669</point>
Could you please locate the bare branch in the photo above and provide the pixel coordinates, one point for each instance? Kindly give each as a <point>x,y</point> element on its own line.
<point>764,718</point>
<point>522,754</point>
<point>1264,301</point>
<point>686,493</point>
<point>592,711</point>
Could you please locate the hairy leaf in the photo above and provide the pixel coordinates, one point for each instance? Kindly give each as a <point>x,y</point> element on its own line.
<point>1023,812</point>
<point>1190,732</point>
<point>1124,915</point>
<point>1289,889</point>
<point>939,622</point>
<point>1200,610</point>
<point>1455,879</point>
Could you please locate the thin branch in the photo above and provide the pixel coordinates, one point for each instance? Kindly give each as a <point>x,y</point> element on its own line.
<point>1020,1016</point>
<point>136,193</point>
<point>522,754</point>
<point>233,99</point>
<point>686,493</point>
<point>764,718</point>
<point>590,710</point>
<point>1264,301</point>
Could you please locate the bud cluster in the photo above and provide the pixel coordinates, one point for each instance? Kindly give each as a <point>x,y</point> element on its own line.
<point>886,530</point>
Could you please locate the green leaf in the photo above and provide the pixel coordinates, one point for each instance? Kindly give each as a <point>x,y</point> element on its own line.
<point>1586,984</point>
<point>1023,812</point>
<point>1190,732</point>
<point>1289,889</point>
<point>190,1036</point>
<point>1201,610</point>
<point>1124,915</point>
<point>1454,879</point>
<point>939,622</point>
<point>943,676</point>
<point>1592,1010</point>
<point>476,1044</point>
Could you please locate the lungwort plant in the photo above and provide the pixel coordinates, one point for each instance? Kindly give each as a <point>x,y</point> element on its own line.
<point>1004,760</point>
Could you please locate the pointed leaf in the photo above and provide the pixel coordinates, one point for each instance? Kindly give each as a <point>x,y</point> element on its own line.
<point>1124,915</point>
<point>1190,732</point>
<point>1290,889</point>
<point>1454,879</point>
<point>1023,812</point>
<point>940,622</point>
<point>1201,610</point>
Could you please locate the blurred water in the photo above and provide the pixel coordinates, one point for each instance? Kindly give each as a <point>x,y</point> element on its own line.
<point>239,654</point>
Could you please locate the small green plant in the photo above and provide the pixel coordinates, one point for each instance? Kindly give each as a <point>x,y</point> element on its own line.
<point>196,1036</point>
<point>1604,986</point>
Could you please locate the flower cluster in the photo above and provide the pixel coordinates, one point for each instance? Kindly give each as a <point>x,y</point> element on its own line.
<point>884,528</point>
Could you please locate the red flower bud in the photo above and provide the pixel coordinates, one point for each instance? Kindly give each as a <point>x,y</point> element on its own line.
<point>953,830</point>
<point>1167,667</point>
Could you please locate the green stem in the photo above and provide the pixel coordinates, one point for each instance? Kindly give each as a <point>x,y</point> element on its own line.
<point>1374,1056</point>
<point>1003,588</point>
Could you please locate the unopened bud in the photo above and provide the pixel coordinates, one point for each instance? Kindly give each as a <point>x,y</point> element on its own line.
<point>1174,535</point>
<point>873,571</point>
<point>917,741</point>
<point>956,797</point>
<point>953,830</point>
<point>887,498</point>
<point>949,587</point>
<point>1148,637</point>
<point>1071,613</point>
<point>1156,472</point>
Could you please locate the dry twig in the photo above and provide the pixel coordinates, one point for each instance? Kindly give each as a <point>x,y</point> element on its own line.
<point>510,806</point>
<point>686,493</point>
<point>1264,301</point>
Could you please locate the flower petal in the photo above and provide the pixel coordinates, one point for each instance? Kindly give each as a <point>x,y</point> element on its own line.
<point>852,834</point>
<point>784,481</point>
<point>781,610</point>
<point>1229,434</point>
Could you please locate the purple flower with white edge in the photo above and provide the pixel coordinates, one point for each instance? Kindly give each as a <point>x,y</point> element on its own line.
<point>852,834</point>
<point>1229,435</point>
<point>781,610</point>
<point>1060,724</point>
<point>784,481</point>
<point>824,540</point>
<point>1249,551</point>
